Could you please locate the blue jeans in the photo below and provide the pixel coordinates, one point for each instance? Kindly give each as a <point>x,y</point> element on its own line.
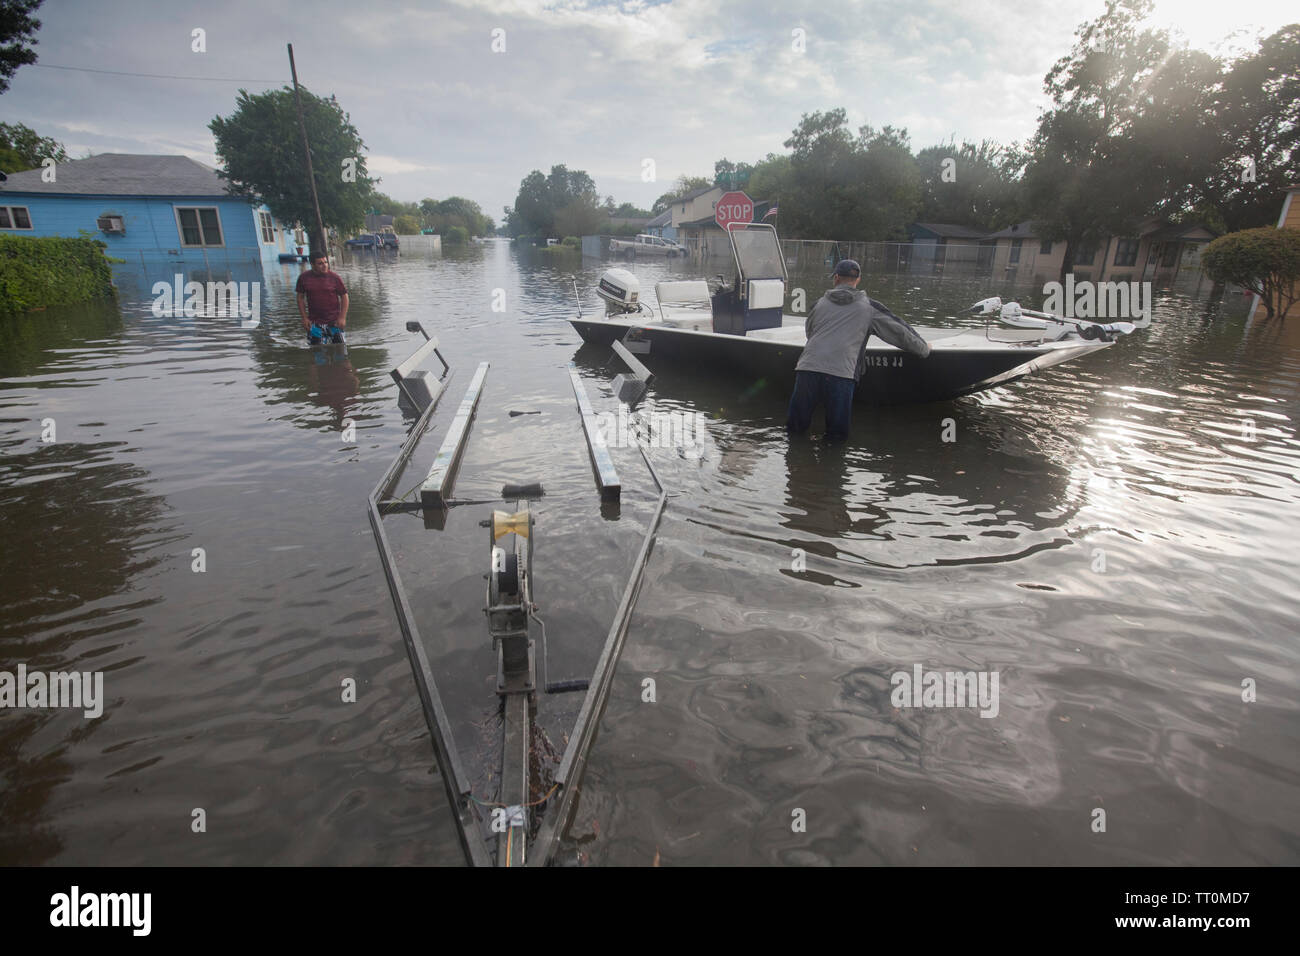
<point>817,388</point>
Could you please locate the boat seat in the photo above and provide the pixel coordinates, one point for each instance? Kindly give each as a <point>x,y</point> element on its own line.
<point>685,304</point>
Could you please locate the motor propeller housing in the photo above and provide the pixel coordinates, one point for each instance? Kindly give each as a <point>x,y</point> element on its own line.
<point>621,291</point>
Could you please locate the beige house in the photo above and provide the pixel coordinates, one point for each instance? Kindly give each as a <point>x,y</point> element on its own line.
<point>692,218</point>
<point>1161,253</point>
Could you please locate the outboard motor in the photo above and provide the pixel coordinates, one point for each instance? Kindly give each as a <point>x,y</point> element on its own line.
<point>620,290</point>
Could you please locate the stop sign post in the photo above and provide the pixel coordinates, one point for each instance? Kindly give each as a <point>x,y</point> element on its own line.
<point>733,207</point>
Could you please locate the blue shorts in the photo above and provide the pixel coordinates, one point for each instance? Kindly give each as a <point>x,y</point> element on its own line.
<point>325,335</point>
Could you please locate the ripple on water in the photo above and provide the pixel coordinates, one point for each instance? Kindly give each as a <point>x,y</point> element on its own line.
<point>1108,537</point>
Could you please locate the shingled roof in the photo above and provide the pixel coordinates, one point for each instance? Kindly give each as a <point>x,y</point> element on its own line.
<point>123,174</point>
<point>1021,230</point>
<point>948,230</point>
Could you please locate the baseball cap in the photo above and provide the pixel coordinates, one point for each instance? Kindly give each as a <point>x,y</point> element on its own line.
<point>847,267</point>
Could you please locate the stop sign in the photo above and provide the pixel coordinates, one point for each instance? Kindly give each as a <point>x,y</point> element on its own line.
<point>733,207</point>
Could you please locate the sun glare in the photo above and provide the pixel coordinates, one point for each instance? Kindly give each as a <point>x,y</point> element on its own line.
<point>1212,26</point>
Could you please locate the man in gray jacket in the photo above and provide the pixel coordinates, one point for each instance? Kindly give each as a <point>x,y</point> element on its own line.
<point>833,359</point>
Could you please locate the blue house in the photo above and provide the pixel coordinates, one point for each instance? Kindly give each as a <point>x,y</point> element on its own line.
<point>662,225</point>
<point>149,210</point>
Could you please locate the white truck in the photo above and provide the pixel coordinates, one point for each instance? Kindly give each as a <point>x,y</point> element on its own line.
<point>645,245</point>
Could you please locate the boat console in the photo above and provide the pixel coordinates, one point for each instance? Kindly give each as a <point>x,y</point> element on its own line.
<point>753,302</point>
<point>757,294</point>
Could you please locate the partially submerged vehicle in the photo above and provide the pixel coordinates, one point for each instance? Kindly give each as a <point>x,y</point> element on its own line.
<point>742,330</point>
<point>385,238</point>
<point>646,246</point>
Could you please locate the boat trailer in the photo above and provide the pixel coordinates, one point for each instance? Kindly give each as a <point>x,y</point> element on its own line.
<point>527,830</point>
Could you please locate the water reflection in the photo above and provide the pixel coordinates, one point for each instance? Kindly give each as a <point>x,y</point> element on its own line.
<point>773,682</point>
<point>97,529</point>
<point>34,341</point>
<point>332,381</point>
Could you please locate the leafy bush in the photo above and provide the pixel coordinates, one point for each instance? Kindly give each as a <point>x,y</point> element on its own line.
<point>456,235</point>
<point>572,241</point>
<point>50,270</point>
<point>406,225</point>
<point>1266,261</point>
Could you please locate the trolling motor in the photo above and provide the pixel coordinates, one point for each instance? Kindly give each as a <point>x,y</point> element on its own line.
<point>1011,313</point>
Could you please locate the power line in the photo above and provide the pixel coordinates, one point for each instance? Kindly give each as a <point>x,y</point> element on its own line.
<point>154,76</point>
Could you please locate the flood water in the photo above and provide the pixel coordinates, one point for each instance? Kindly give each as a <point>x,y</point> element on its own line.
<point>1114,538</point>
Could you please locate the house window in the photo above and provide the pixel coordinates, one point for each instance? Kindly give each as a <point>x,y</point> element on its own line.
<point>1170,258</point>
<point>1015,249</point>
<point>1086,254</point>
<point>14,217</point>
<point>268,228</point>
<point>1126,252</point>
<point>199,225</point>
<point>1046,248</point>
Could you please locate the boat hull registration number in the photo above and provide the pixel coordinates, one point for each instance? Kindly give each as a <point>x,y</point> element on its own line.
<point>884,361</point>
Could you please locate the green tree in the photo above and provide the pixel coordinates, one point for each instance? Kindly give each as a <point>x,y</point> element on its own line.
<point>890,184</point>
<point>823,186</point>
<point>17,37</point>
<point>1255,111</point>
<point>560,204</point>
<point>428,209</point>
<point>454,211</point>
<point>844,187</point>
<point>386,205</point>
<point>1266,261</point>
<point>579,219</point>
<point>406,225</point>
<point>684,184</point>
<point>1093,172</point>
<point>23,148</point>
<point>979,188</point>
<point>771,178</point>
<point>261,149</point>
<point>731,175</point>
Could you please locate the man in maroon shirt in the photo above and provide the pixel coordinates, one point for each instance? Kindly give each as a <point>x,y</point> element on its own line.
<point>322,301</point>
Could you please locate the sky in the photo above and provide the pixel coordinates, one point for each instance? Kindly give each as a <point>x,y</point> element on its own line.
<point>599,86</point>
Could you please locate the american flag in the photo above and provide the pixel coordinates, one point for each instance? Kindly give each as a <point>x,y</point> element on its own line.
<point>770,212</point>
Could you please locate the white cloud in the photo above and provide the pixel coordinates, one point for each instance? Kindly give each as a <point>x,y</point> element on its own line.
<point>595,85</point>
<point>380,165</point>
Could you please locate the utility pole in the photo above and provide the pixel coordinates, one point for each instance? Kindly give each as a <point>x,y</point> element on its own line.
<point>306,149</point>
